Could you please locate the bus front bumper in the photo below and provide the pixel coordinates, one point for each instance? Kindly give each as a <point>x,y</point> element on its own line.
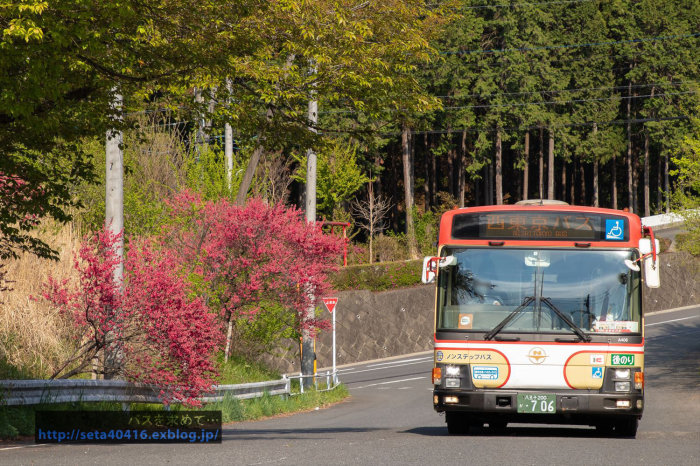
<point>572,406</point>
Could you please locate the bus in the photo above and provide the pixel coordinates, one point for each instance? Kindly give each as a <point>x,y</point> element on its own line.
<point>539,316</point>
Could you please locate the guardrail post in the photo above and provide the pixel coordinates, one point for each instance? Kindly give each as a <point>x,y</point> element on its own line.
<point>287,386</point>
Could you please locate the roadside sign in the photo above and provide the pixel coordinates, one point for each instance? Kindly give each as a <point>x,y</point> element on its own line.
<point>330,303</point>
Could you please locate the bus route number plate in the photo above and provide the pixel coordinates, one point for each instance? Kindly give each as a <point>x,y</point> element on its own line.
<point>537,403</point>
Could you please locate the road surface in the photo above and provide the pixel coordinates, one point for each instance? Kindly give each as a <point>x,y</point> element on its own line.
<point>389,420</point>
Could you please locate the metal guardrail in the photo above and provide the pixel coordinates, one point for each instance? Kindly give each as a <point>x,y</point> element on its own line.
<point>32,392</point>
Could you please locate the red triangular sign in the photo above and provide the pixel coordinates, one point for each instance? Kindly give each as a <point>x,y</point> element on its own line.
<point>330,303</point>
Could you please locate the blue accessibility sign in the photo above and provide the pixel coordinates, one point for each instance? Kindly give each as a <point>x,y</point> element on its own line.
<point>597,372</point>
<point>614,229</point>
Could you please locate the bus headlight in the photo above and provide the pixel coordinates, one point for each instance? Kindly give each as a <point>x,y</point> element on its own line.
<point>622,386</point>
<point>622,373</point>
<point>452,371</point>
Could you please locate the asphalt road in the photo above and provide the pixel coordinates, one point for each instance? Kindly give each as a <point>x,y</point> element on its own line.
<point>389,420</point>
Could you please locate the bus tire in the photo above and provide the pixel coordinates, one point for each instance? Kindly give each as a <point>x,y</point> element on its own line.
<point>457,423</point>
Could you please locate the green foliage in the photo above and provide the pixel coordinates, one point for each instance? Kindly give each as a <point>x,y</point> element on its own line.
<point>686,198</point>
<point>205,172</point>
<point>261,334</point>
<point>379,277</point>
<point>427,225</point>
<point>338,174</point>
<point>240,370</point>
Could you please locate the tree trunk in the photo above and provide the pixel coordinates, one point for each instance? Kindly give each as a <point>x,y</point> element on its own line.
<point>646,172</point>
<point>248,176</point>
<point>550,168</point>
<point>630,183</point>
<point>526,168</point>
<point>667,184</point>
<point>596,188</point>
<point>541,192</point>
<point>572,189</point>
<point>408,191</point>
<point>461,176</point>
<point>563,182</point>
<point>433,179</point>
<point>614,181</point>
<point>491,178</point>
<point>582,168</point>
<point>426,183</point>
<point>499,168</point>
<point>450,164</point>
<point>659,170</point>
<point>647,200</point>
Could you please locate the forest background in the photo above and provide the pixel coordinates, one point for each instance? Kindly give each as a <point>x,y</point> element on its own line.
<point>412,108</point>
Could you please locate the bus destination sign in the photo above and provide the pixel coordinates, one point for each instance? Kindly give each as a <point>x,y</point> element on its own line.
<point>565,226</point>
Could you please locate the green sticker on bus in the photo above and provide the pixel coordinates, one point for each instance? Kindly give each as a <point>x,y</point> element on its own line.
<point>622,359</point>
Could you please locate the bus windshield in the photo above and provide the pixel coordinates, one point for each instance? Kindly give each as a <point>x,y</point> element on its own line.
<point>560,291</point>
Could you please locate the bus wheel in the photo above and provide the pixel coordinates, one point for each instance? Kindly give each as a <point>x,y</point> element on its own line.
<point>457,423</point>
<point>627,428</point>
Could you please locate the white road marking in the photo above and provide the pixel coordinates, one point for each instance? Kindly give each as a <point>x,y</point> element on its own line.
<point>672,320</point>
<point>24,446</point>
<point>400,361</point>
<point>379,368</point>
<point>391,381</point>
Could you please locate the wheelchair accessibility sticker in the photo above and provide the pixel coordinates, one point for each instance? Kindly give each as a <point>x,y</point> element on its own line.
<point>597,372</point>
<point>614,230</point>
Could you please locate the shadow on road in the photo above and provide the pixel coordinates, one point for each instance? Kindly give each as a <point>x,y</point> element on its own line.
<point>518,431</point>
<point>292,434</point>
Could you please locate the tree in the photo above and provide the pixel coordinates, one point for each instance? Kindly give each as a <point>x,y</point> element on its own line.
<point>372,213</point>
<point>167,335</point>
<point>687,195</point>
<point>339,176</point>
<point>248,256</point>
<point>62,61</point>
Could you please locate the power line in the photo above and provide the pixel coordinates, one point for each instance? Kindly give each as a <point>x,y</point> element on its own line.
<point>555,102</point>
<point>569,46</point>
<point>555,2</point>
<point>555,91</point>
<point>511,5</point>
<point>523,104</point>
<point>532,127</point>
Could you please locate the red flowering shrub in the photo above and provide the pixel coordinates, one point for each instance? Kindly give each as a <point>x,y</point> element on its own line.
<point>254,254</point>
<point>164,335</point>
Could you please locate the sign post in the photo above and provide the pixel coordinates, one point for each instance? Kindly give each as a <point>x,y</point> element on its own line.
<point>330,304</point>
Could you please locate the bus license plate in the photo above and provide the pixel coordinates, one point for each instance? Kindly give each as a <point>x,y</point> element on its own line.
<point>539,403</point>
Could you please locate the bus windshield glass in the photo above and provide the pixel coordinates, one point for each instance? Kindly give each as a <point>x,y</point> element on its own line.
<point>562,291</point>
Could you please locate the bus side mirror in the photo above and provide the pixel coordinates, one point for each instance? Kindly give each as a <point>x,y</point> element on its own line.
<point>431,264</point>
<point>650,258</point>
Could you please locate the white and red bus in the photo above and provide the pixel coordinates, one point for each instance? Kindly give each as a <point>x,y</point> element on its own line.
<point>539,316</point>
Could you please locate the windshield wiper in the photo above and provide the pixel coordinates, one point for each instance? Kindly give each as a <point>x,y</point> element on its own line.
<point>526,302</point>
<point>577,330</point>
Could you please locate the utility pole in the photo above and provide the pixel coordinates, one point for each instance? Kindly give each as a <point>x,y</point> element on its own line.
<point>228,146</point>
<point>114,217</point>
<point>307,344</point>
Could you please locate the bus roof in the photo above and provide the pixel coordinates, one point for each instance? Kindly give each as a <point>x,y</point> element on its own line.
<point>548,225</point>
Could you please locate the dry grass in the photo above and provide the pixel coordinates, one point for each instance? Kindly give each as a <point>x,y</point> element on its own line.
<point>34,338</point>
